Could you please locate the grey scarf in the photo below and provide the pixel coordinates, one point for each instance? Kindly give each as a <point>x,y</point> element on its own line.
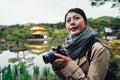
<point>75,47</point>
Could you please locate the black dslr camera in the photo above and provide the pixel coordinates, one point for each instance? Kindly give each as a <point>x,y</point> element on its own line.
<point>50,57</point>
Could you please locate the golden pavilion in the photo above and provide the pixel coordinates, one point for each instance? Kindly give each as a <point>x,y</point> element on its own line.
<point>39,32</point>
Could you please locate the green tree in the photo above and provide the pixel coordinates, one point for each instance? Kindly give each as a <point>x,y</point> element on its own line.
<point>115,3</point>
<point>0,32</point>
<point>18,34</point>
<point>118,35</point>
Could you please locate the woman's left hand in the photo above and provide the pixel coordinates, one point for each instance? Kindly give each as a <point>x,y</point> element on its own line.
<point>61,61</point>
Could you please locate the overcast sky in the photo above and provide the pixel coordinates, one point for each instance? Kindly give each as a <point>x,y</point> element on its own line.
<point>47,11</point>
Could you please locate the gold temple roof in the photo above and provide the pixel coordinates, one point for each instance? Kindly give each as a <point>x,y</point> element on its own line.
<point>38,30</point>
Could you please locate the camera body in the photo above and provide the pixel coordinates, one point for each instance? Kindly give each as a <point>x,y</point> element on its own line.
<point>50,57</point>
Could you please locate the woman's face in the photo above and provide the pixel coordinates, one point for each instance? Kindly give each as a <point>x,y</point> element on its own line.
<point>74,23</point>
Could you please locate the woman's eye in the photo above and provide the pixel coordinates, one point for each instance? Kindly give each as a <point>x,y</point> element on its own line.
<point>76,18</point>
<point>68,21</point>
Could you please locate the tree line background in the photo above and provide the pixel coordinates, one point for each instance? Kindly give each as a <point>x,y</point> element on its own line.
<point>19,32</point>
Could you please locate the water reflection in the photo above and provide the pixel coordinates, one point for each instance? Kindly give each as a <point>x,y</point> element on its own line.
<point>22,58</point>
<point>38,47</point>
<point>31,56</point>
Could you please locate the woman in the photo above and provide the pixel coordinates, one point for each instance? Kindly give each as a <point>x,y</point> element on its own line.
<point>76,66</point>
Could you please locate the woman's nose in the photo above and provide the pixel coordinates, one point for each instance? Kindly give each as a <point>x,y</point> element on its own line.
<point>72,22</point>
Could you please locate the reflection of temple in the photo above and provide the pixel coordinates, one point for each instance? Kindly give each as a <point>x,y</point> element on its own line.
<point>39,33</point>
<point>37,47</point>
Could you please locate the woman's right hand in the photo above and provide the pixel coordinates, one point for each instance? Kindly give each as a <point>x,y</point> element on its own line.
<point>61,61</point>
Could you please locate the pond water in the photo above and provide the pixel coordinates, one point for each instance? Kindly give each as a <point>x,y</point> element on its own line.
<point>30,57</point>
<point>12,58</point>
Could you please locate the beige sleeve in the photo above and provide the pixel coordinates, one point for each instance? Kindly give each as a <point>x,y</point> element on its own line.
<point>99,62</point>
<point>73,70</point>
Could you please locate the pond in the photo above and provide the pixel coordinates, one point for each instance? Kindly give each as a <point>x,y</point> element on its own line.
<point>8,57</point>
<point>30,57</point>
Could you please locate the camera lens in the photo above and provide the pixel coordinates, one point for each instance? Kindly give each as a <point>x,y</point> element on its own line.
<point>50,57</point>
<point>46,58</point>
